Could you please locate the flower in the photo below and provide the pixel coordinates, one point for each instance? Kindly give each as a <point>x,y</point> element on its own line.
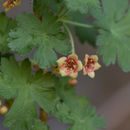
<point>69,65</point>
<point>9,4</point>
<point>91,64</point>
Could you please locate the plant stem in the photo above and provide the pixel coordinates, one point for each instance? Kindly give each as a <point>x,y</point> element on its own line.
<point>64,13</point>
<point>60,11</point>
<point>80,24</point>
<point>71,38</point>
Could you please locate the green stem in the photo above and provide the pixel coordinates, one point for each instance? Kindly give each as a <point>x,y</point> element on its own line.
<point>79,24</point>
<point>60,11</point>
<point>71,38</point>
<point>64,13</point>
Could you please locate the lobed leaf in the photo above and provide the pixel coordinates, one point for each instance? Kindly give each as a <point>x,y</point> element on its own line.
<point>46,37</point>
<point>114,40</point>
<point>6,24</point>
<point>81,5</point>
<point>39,6</point>
<point>26,89</point>
<point>76,110</point>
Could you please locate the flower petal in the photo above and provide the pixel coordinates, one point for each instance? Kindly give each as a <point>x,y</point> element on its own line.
<point>9,6</point>
<point>94,57</point>
<point>86,58</point>
<point>91,74</point>
<point>74,75</point>
<point>61,61</point>
<point>97,66</point>
<point>63,73</point>
<point>5,4</point>
<point>80,66</point>
<point>73,56</point>
<point>84,71</point>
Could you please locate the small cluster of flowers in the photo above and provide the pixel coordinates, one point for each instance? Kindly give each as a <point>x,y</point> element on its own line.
<point>9,4</point>
<point>70,66</point>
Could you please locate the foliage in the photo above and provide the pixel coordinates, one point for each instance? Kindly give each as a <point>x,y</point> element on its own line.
<point>114,38</point>
<point>54,95</point>
<point>45,36</point>
<point>76,110</point>
<point>26,89</point>
<point>6,24</point>
<point>35,80</point>
<point>84,34</point>
<point>81,5</point>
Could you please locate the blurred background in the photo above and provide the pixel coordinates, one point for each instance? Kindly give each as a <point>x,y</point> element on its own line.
<point>109,91</point>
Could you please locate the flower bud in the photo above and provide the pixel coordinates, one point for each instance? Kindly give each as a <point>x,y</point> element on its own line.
<point>3,110</point>
<point>72,82</point>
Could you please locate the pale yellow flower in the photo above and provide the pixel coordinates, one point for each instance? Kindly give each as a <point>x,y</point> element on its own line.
<point>9,4</point>
<point>91,64</point>
<point>69,66</point>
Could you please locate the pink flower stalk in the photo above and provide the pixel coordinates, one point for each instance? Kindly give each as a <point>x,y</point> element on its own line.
<point>9,4</point>
<point>69,66</point>
<point>91,64</point>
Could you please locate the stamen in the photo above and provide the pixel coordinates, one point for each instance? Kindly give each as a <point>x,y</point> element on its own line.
<point>71,64</point>
<point>90,63</point>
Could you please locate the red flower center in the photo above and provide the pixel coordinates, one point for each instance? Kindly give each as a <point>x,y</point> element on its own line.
<point>71,64</point>
<point>90,65</point>
<point>11,3</point>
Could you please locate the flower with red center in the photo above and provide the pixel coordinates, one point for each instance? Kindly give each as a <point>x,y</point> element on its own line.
<point>91,64</point>
<point>69,65</point>
<point>9,4</point>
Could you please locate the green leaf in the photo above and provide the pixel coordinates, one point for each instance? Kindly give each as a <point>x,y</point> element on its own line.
<point>22,112</point>
<point>83,101</point>
<point>47,37</point>
<point>40,6</point>
<point>38,125</point>
<point>54,95</point>
<point>81,118</point>
<point>81,5</point>
<point>17,81</point>
<point>6,24</point>
<point>84,34</point>
<point>86,119</point>
<point>65,91</point>
<point>43,90</point>
<point>76,111</point>
<point>114,40</point>
<point>8,83</point>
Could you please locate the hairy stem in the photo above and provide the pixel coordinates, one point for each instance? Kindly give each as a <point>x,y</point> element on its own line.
<point>71,38</point>
<point>80,24</point>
